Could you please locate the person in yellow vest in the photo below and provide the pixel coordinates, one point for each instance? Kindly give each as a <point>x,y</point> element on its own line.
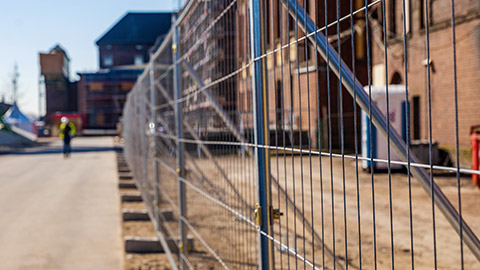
<point>67,132</point>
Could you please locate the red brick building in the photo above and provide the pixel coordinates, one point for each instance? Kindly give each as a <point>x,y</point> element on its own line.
<point>290,69</point>
<point>123,52</point>
<point>60,93</point>
<point>467,20</point>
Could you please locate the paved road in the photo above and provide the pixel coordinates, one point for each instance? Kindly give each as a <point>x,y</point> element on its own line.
<point>60,214</point>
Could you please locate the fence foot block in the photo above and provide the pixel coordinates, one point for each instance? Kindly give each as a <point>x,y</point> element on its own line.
<point>127,185</point>
<point>131,197</point>
<point>167,214</point>
<point>135,244</point>
<point>125,177</point>
<point>135,215</point>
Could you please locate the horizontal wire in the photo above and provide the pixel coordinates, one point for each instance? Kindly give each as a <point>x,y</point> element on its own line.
<point>233,211</point>
<point>205,244</point>
<point>304,151</point>
<point>198,42</point>
<point>194,93</point>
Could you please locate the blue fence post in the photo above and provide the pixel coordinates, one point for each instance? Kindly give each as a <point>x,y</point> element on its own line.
<point>262,156</point>
<point>179,124</point>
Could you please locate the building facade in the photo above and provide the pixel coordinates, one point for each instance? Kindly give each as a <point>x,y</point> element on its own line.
<point>61,93</point>
<point>123,53</point>
<point>297,106</point>
<point>440,82</point>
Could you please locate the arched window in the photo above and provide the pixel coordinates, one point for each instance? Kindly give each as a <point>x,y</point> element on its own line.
<point>396,78</point>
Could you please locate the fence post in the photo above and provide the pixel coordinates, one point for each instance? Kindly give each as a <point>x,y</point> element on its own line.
<point>153,129</point>
<point>262,156</point>
<point>179,124</point>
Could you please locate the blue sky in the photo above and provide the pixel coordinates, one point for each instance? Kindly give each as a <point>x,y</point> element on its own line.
<point>28,27</point>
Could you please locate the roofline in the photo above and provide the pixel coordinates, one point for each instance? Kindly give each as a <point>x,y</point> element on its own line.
<point>125,15</point>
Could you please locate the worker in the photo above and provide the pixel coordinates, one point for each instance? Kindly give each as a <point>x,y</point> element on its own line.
<point>67,132</point>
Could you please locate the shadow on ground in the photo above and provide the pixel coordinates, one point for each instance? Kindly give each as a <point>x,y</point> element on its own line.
<point>56,150</point>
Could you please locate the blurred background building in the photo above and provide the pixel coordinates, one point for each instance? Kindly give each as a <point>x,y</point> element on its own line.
<point>95,102</point>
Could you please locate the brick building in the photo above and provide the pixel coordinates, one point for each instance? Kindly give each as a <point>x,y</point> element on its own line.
<point>210,60</point>
<point>467,19</point>
<point>61,93</point>
<point>123,52</point>
<point>291,68</point>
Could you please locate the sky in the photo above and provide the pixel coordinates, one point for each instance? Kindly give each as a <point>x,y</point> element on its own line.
<point>28,27</point>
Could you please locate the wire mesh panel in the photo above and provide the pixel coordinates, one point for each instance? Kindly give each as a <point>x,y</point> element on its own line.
<point>306,134</point>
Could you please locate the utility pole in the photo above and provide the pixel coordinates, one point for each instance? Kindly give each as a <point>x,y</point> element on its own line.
<point>15,82</point>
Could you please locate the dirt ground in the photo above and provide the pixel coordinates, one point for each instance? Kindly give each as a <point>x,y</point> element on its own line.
<point>321,202</point>
<point>235,241</point>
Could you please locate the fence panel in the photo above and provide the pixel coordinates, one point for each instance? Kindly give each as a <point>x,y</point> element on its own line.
<point>264,126</point>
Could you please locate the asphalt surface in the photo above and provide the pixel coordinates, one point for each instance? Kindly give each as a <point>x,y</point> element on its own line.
<point>58,213</point>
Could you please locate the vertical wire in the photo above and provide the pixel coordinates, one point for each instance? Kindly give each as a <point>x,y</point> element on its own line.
<point>319,143</point>
<point>224,86</point>
<point>280,10</point>
<point>231,111</point>
<point>245,59</point>
<point>275,90</point>
<point>407,110</point>
<point>308,136</point>
<point>427,33</point>
<point>454,50</point>
<point>284,122</point>
<point>385,37</point>
<point>309,146</point>
<point>234,115</point>
<point>356,138</point>
<point>342,135</point>
<point>292,139</point>
<point>243,184</point>
<point>330,138</point>
<point>227,135</point>
<point>370,132</point>
<point>299,132</point>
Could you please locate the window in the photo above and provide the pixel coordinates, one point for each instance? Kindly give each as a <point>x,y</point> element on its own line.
<point>108,60</point>
<point>108,47</point>
<point>391,18</point>
<point>416,117</point>
<point>422,14</point>
<point>138,60</point>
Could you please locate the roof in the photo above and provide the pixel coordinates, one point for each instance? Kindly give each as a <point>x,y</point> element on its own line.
<point>59,49</point>
<point>138,27</point>
<point>4,108</point>
<point>111,74</point>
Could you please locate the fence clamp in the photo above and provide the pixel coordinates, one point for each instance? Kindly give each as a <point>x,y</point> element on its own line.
<point>276,214</point>
<point>187,172</point>
<point>258,214</point>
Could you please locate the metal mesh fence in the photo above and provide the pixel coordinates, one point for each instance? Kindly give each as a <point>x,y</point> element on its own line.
<point>263,125</point>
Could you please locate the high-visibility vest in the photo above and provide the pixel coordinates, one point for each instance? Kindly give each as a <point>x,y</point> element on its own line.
<point>73,132</point>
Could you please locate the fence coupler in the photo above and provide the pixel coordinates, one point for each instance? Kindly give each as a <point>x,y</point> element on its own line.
<point>276,213</point>
<point>258,214</point>
<point>186,172</point>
